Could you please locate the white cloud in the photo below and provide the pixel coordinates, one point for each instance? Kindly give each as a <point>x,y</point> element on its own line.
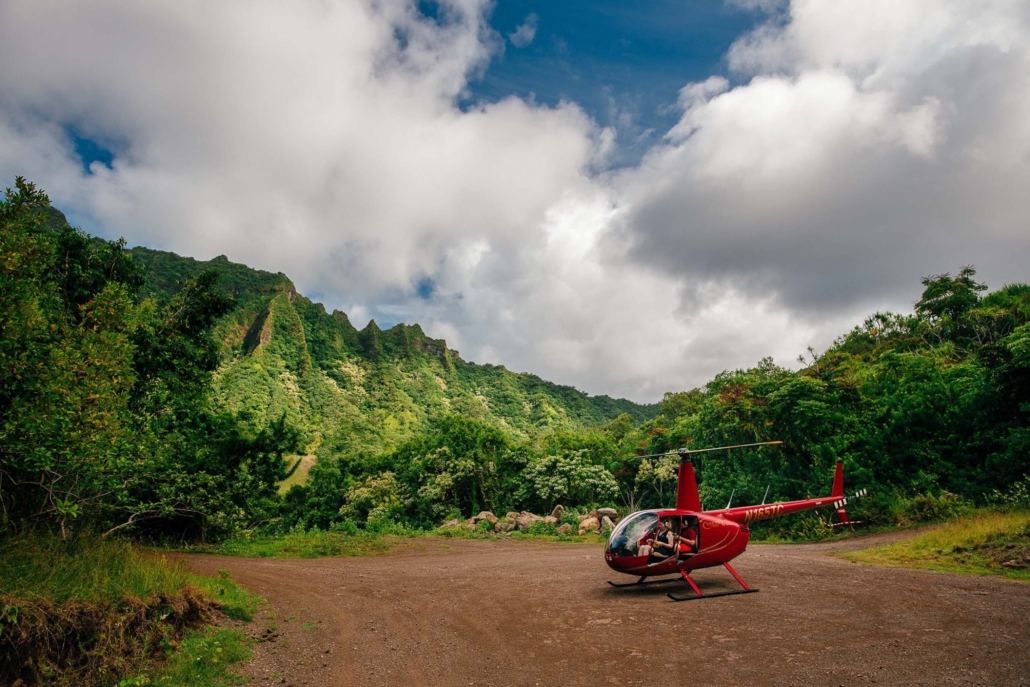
<point>869,144</point>
<point>525,32</point>
<point>874,143</point>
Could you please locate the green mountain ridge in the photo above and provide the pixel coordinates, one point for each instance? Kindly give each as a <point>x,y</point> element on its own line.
<point>354,390</point>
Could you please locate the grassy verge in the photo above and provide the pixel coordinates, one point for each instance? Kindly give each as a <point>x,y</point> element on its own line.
<point>313,544</point>
<point>317,544</point>
<point>87,611</point>
<point>204,658</point>
<point>984,543</point>
<point>541,534</point>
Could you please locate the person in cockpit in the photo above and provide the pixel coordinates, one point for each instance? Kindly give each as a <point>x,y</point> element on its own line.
<point>664,542</point>
<point>687,542</point>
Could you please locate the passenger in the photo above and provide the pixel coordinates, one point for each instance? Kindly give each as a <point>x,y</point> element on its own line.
<point>664,542</point>
<point>687,541</point>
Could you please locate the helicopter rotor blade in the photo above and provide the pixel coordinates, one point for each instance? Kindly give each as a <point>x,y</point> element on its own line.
<point>706,450</point>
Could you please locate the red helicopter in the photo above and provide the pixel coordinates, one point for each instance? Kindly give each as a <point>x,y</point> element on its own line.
<point>668,541</point>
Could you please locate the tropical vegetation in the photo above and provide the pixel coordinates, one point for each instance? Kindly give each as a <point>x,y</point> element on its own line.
<point>157,397</point>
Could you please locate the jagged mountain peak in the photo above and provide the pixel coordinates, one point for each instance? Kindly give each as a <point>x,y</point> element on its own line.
<point>360,390</point>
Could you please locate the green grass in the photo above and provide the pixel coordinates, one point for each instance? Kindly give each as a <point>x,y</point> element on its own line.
<point>130,606</point>
<point>316,544</point>
<point>542,535</point>
<point>980,544</point>
<point>300,475</point>
<point>89,569</point>
<point>303,545</point>
<point>205,658</point>
<point>84,568</point>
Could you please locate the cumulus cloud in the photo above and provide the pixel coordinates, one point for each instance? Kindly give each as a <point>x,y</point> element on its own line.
<point>525,32</point>
<point>872,143</point>
<point>866,145</point>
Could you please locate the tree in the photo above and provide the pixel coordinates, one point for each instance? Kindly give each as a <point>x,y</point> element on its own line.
<point>947,301</point>
<point>568,477</point>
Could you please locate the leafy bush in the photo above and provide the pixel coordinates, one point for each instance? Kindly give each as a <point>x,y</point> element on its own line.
<point>929,508</point>
<point>541,527</point>
<point>344,526</point>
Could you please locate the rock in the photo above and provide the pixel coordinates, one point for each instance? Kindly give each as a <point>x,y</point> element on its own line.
<point>558,511</point>
<point>451,523</point>
<point>1012,564</point>
<point>504,527</point>
<point>551,520</point>
<point>589,525</point>
<point>525,519</point>
<point>607,513</point>
<point>564,529</point>
<point>511,516</point>
<point>470,527</point>
<point>485,515</point>
<point>606,524</point>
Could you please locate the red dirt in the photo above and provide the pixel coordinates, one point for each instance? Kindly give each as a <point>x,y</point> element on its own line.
<point>459,612</point>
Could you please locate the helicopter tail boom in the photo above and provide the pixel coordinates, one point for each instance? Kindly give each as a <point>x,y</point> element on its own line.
<point>836,500</point>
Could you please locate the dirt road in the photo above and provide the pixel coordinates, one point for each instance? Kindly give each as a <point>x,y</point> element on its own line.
<point>523,613</point>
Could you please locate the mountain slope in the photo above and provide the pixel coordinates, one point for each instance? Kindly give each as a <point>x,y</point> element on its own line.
<point>369,389</point>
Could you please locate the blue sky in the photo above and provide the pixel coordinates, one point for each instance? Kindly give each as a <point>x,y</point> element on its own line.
<point>614,58</point>
<point>623,64</point>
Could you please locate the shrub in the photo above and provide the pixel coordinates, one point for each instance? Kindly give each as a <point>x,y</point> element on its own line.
<point>347,526</point>
<point>929,508</point>
<point>541,527</point>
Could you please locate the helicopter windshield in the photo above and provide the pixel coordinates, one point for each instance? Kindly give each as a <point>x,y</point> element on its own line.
<point>625,540</point>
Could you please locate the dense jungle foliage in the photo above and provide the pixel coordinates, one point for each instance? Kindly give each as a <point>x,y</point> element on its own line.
<point>171,397</point>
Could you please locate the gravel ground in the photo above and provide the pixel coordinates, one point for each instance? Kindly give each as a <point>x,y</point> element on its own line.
<point>462,612</point>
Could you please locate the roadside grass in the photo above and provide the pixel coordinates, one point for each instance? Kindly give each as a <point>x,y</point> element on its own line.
<point>313,544</point>
<point>204,658</point>
<point>118,610</point>
<point>840,534</point>
<point>83,568</point>
<point>987,542</point>
<point>536,533</point>
<point>91,570</point>
<point>320,544</point>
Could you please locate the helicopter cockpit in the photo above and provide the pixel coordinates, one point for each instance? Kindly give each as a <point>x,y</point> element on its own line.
<point>640,535</point>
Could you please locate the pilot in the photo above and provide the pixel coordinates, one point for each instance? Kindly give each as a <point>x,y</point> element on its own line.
<point>664,541</point>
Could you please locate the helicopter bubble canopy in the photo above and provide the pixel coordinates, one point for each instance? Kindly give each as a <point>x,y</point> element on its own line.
<point>627,537</point>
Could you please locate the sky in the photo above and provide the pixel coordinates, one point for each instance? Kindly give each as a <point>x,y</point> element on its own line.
<point>625,198</point>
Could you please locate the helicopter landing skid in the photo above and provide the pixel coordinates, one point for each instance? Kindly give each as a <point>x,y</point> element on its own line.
<point>641,583</point>
<point>712,595</point>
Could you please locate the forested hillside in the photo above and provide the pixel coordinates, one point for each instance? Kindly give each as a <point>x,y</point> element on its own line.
<point>350,390</point>
<point>155,394</point>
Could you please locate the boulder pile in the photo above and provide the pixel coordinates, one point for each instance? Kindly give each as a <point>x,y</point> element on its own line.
<point>599,520</point>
